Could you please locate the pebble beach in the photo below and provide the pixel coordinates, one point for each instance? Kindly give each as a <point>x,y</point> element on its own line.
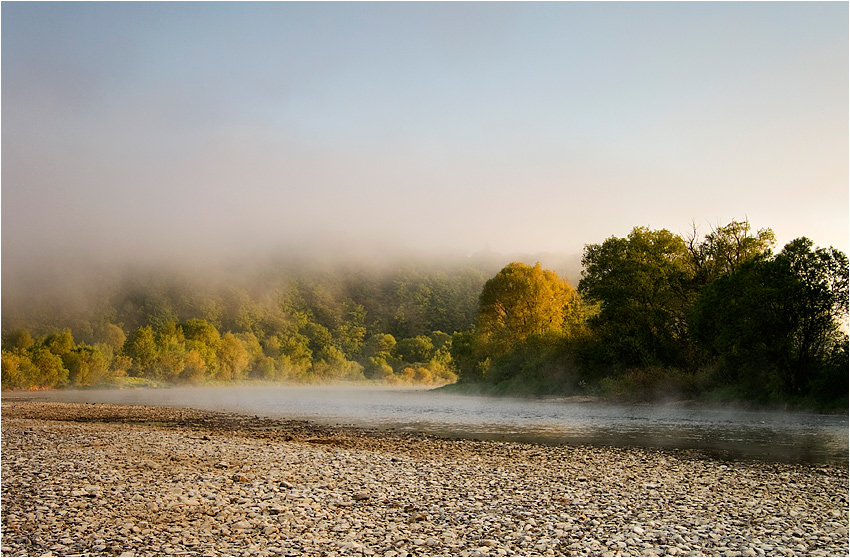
<point>111,480</point>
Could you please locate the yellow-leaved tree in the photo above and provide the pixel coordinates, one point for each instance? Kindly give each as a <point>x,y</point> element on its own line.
<point>522,302</point>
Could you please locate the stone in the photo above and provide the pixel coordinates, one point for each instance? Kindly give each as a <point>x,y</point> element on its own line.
<point>437,497</point>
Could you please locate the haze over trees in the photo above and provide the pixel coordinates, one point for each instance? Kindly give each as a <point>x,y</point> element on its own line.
<point>312,324</point>
<point>654,314</point>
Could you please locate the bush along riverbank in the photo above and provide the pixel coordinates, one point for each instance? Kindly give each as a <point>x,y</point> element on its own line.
<point>113,480</point>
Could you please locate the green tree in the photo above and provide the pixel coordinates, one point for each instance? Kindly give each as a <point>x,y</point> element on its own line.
<point>724,249</point>
<point>414,349</point>
<point>257,363</point>
<point>295,356</point>
<point>350,334</point>
<point>18,370</point>
<point>377,368</point>
<point>377,357</point>
<point>318,336</point>
<point>441,341</point>
<point>203,338</point>
<point>379,343</point>
<point>17,340</point>
<point>87,365</point>
<point>642,287</point>
<point>114,337</point>
<point>49,370</point>
<point>59,343</point>
<point>465,357</point>
<point>170,352</point>
<point>142,349</point>
<point>776,323</point>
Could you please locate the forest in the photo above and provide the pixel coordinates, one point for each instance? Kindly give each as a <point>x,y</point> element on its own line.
<point>655,315</point>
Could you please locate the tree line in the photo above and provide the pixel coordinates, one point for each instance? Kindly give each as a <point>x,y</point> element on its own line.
<point>315,326</point>
<point>654,314</point>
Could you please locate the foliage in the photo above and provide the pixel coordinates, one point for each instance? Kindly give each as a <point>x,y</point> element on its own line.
<point>775,323</point>
<point>725,249</point>
<point>414,349</point>
<point>520,302</point>
<point>527,319</point>
<point>641,284</point>
<point>469,368</point>
<point>17,340</point>
<point>655,315</point>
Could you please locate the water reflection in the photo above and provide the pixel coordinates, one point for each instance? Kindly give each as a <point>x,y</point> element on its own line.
<point>795,437</point>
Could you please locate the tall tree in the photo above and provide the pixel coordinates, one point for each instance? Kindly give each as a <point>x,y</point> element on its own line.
<point>776,323</point>
<point>641,285</point>
<point>142,349</point>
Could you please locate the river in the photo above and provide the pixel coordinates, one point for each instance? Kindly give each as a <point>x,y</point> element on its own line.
<point>725,432</point>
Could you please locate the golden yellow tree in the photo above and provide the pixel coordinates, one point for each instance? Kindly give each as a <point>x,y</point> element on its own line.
<point>523,301</point>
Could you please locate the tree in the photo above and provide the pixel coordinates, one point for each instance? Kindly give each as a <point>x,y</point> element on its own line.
<point>295,354</point>
<point>257,362</point>
<point>141,347</point>
<point>48,371</point>
<point>17,340</point>
<point>170,352</point>
<point>641,285</point>
<point>59,343</point>
<point>414,349</point>
<point>204,339</point>
<point>87,365</point>
<point>522,301</point>
<point>724,249</point>
<point>465,358</point>
<point>379,343</point>
<point>233,358</point>
<point>18,370</point>
<point>775,323</point>
<point>114,337</point>
<point>350,334</point>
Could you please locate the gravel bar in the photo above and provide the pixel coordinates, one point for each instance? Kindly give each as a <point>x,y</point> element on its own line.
<point>96,479</point>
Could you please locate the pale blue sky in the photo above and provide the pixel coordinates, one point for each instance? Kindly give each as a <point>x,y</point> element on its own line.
<point>139,129</point>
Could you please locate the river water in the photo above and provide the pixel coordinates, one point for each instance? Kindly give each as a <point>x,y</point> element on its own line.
<point>728,433</point>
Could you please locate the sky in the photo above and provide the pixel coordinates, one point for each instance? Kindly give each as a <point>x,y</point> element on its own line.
<point>191,130</point>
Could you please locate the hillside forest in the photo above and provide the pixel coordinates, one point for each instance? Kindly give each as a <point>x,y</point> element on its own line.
<point>720,317</point>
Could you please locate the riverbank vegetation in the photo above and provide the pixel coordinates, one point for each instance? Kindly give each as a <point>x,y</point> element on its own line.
<point>655,315</point>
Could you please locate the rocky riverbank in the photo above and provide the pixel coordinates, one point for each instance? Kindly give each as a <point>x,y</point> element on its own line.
<point>118,480</point>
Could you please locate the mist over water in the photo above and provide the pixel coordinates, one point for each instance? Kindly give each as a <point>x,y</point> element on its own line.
<point>726,433</point>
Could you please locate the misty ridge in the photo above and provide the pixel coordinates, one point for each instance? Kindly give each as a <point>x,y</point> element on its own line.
<point>721,317</point>
<point>314,313</point>
<point>56,291</point>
